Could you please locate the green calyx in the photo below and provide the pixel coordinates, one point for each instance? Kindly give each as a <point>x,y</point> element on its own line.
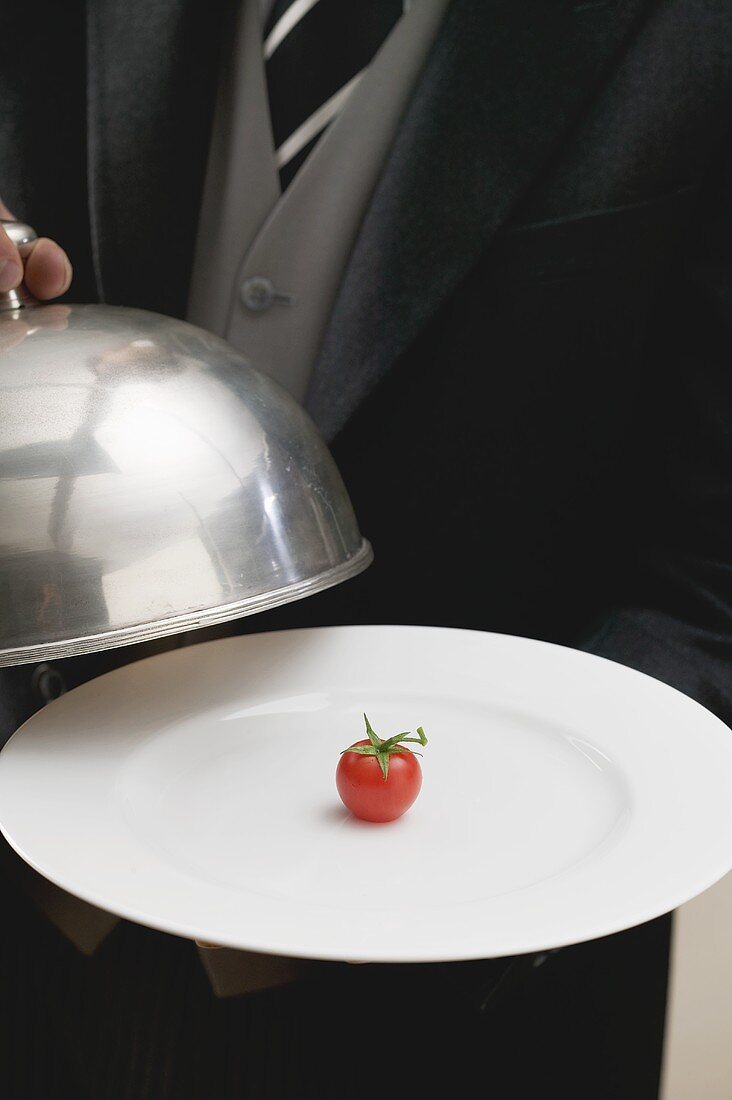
<point>383,750</point>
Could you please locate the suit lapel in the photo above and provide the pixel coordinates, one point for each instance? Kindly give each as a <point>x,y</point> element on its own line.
<point>152,68</point>
<point>505,81</point>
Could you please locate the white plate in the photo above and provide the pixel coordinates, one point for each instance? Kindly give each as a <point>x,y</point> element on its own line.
<point>564,796</point>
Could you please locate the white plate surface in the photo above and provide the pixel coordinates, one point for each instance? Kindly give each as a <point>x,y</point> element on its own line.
<point>564,797</point>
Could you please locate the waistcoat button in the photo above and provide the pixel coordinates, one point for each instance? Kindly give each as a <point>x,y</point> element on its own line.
<point>47,683</point>
<point>257,293</point>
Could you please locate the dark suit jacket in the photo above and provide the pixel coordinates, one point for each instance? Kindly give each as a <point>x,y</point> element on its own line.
<point>526,379</point>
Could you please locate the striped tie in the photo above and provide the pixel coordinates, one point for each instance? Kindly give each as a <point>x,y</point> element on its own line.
<point>315,52</point>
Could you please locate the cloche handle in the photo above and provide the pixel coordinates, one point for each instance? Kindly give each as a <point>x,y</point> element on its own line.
<point>19,234</point>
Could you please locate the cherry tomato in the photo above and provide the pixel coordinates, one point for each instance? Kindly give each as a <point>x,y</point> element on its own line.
<point>379,780</point>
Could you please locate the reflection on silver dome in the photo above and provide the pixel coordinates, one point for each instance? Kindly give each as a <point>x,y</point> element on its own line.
<point>151,482</point>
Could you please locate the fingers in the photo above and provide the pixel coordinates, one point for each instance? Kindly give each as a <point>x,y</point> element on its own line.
<point>48,271</point>
<point>43,265</point>
<point>208,946</point>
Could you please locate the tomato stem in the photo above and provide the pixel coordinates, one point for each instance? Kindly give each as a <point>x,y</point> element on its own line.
<point>383,750</point>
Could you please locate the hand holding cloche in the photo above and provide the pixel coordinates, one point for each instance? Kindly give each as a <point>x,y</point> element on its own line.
<point>41,264</point>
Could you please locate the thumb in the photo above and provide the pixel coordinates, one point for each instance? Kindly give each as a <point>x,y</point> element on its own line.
<point>11,265</point>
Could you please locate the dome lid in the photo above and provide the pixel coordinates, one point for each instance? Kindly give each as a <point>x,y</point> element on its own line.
<point>151,482</point>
